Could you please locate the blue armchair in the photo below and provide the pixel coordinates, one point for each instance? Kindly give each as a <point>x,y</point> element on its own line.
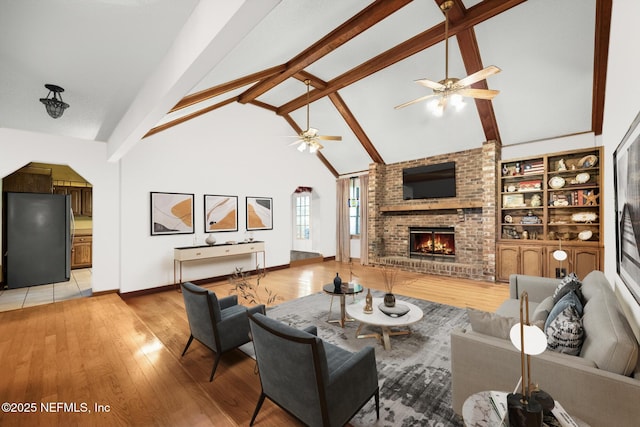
<point>221,325</point>
<point>317,382</point>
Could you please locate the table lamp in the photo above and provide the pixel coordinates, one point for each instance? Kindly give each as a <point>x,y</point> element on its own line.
<point>524,409</point>
<point>560,255</point>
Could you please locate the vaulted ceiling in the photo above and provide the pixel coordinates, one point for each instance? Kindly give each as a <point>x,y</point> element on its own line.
<point>361,57</point>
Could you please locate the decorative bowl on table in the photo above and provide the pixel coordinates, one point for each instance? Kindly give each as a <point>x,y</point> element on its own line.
<point>396,311</point>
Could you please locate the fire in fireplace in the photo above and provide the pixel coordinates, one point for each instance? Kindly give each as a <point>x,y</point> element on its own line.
<point>432,241</point>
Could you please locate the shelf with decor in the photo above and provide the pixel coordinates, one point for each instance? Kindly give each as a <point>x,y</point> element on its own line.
<point>545,201</point>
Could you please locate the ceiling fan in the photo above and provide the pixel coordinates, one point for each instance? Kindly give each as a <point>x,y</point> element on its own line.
<point>451,90</point>
<point>309,138</point>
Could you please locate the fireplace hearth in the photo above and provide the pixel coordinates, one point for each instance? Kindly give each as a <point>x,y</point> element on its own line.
<point>430,242</point>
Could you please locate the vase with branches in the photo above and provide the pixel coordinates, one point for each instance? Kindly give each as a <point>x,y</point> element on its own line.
<point>242,285</point>
<point>389,275</point>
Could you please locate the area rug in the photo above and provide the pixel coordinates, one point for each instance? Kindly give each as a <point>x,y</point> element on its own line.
<point>414,375</point>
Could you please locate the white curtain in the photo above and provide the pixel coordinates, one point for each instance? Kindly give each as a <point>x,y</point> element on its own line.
<point>364,219</point>
<point>343,236</point>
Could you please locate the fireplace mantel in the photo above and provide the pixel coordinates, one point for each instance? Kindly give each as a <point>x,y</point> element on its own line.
<point>455,204</point>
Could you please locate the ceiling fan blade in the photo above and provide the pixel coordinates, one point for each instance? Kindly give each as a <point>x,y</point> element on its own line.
<point>431,84</point>
<point>478,75</point>
<point>329,138</point>
<point>422,98</point>
<point>478,93</point>
<point>298,141</point>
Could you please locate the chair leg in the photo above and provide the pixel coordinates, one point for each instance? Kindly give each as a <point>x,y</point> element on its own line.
<point>188,344</point>
<point>215,365</point>
<point>378,404</point>
<point>258,406</point>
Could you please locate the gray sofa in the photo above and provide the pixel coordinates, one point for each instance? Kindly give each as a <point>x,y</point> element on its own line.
<point>601,385</point>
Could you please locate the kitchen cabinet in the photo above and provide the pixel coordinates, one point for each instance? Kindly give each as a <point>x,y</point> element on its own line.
<point>81,251</point>
<point>87,201</point>
<point>81,198</point>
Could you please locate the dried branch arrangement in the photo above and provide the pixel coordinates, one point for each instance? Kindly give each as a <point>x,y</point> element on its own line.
<point>249,292</point>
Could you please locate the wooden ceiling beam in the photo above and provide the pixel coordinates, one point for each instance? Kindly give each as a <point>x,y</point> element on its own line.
<point>474,16</point>
<point>214,91</point>
<point>600,59</point>
<point>470,52</point>
<point>363,20</point>
<point>188,117</point>
<point>348,117</point>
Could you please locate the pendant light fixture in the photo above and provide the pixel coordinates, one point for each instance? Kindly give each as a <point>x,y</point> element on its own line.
<point>53,102</point>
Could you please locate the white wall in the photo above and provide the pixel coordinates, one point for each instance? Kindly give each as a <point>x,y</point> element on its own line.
<point>622,104</point>
<point>88,158</point>
<point>218,154</point>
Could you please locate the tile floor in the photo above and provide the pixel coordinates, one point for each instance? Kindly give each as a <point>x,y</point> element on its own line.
<point>79,286</point>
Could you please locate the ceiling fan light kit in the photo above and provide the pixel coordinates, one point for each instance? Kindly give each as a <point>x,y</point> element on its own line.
<point>309,138</point>
<point>53,102</point>
<point>451,90</point>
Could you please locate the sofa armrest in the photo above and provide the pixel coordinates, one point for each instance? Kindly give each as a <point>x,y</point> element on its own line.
<point>480,362</point>
<point>537,287</point>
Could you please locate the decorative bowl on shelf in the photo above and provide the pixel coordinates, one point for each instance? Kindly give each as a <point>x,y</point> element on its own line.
<point>588,161</point>
<point>557,182</point>
<point>586,217</point>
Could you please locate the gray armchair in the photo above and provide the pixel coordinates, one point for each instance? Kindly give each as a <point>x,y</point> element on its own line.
<point>316,382</point>
<point>220,325</point>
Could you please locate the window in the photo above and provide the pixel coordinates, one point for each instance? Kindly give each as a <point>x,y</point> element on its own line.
<point>303,215</point>
<point>354,206</point>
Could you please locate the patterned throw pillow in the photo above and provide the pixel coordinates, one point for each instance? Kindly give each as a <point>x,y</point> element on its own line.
<point>565,333</point>
<point>566,285</point>
<point>570,299</point>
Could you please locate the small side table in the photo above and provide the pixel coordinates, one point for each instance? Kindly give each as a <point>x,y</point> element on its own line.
<point>477,411</point>
<point>353,289</point>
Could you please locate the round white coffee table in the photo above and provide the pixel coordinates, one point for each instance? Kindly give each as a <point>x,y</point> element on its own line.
<point>379,319</point>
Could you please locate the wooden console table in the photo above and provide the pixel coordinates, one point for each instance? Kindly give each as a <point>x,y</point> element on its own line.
<point>194,253</point>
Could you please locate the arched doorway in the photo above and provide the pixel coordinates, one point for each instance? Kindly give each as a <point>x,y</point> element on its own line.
<point>29,192</point>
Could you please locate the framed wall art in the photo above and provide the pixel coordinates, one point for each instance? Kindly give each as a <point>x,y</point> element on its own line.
<point>259,213</point>
<point>171,213</point>
<point>220,213</point>
<point>626,163</point>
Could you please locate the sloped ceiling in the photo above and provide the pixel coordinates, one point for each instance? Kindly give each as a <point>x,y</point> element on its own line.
<point>362,58</point>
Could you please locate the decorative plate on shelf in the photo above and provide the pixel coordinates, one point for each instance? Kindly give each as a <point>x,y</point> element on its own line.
<point>508,219</point>
<point>396,311</point>
<point>557,182</point>
<point>582,178</point>
<point>585,235</point>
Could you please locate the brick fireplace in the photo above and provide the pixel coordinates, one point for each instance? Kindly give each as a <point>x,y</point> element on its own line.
<point>468,219</point>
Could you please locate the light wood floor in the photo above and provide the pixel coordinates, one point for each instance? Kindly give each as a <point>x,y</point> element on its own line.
<point>125,355</point>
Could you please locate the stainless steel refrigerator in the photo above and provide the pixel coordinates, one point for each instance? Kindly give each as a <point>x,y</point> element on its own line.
<point>37,239</point>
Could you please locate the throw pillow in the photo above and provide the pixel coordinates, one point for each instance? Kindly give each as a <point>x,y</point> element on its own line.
<point>542,310</point>
<point>570,299</point>
<point>490,323</point>
<point>565,333</point>
<point>566,285</point>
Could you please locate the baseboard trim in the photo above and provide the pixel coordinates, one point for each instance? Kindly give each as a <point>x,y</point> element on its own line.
<point>199,282</point>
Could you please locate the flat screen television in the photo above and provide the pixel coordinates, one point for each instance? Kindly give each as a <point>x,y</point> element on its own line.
<point>430,181</point>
